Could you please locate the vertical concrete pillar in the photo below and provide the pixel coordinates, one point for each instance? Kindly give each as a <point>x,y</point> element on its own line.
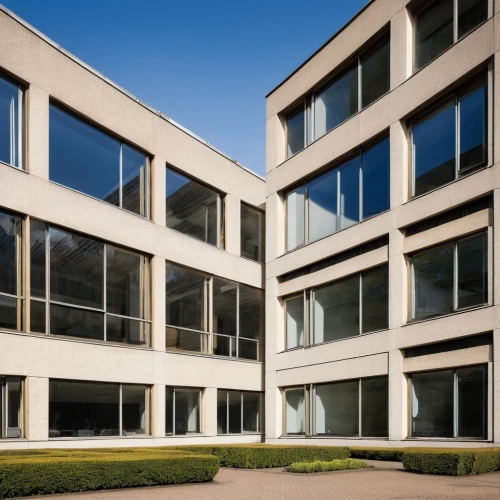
<point>209,412</point>
<point>37,132</point>
<point>158,303</point>
<point>232,224</point>
<point>158,190</point>
<point>158,410</point>
<point>275,138</point>
<point>401,48</point>
<point>275,227</point>
<point>37,408</point>
<point>398,397</point>
<point>273,408</point>
<point>400,168</point>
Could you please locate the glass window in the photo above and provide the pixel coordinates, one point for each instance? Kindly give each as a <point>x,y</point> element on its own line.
<point>251,302</point>
<point>295,411</point>
<point>222,412</point>
<point>375,72</point>
<point>375,407</point>
<point>93,409</point>
<point>224,316</point>
<point>375,299</point>
<point>252,233</point>
<point>10,271</point>
<point>349,193</point>
<point>238,412</point>
<point>295,125</point>
<point>442,397</point>
<point>88,160</point>
<point>471,13</point>
<point>294,311</point>
<point>472,276</point>
<point>322,206</point>
<point>11,113</point>
<point>193,208</point>
<point>251,412</point>
<point>11,406</point>
<point>336,103</point>
<point>375,166</point>
<point>295,218</point>
<point>235,412</point>
<point>183,411</point>
<point>337,409</point>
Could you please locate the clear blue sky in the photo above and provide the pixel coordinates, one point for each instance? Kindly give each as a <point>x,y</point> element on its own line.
<point>208,64</point>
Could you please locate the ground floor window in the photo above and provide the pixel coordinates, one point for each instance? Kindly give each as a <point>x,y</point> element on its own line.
<point>11,407</point>
<point>183,413</point>
<point>94,409</point>
<point>239,412</point>
<point>351,408</point>
<point>449,403</point>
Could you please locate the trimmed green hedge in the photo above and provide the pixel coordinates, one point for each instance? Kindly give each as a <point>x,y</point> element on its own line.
<point>68,471</point>
<point>388,454</point>
<point>260,456</point>
<point>345,464</point>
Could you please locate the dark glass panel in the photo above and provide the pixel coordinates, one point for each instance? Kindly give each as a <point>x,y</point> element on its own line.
<point>224,346</point>
<point>222,412</point>
<point>251,412</point>
<point>9,228</point>
<point>250,311</point>
<point>375,407</point>
<point>184,340</point>
<point>295,218</point>
<point>134,180</point>
<point>134,410</point>
<point>252,233</point>
<point>187,412</point>
<point>37,316</point>
<point>322,205</point>
<point>248,349</point>
<point>76,322</point>
<point>375,297</point>
<point>127,331</point>
<point>471,13</point>
<point>224,306</point>
<point>295,132</point>
<point>169,410</point>
<point>349,193</point>
<point>472,271</point>
<point>375,72</point>
<point>234,412</point>
<point>37,259</point>
<point>8,312</point>
<point>375,164</point>
<point>471,402</point>
<point>9,122</point>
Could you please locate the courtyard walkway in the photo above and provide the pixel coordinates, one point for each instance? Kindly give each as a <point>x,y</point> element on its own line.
<point>385,482</point>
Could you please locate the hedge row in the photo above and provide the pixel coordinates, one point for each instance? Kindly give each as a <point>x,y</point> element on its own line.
<point>260,456</point>
<point>345,464</point>
<point>386,454</point>
<point>68,471</point>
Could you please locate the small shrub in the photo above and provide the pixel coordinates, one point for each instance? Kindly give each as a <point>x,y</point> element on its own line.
<point>445,463</point>
<point>318,466</point>
<point>486,461</point>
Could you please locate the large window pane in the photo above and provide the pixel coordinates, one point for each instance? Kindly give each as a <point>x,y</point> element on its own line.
<point>169,410</point>
<point>8,312</point>
<point>251,412</point>
<point>83,409</point>
<point>191,207</point>
<point>473,125</point>
<point>375,299</point>
<point>434,31</point>
<point>471,402</point>
<point>76,322</point>
<point>9,229</point>
<point>349,193</point>
<point>471,13</point>
<point>322,205</point>
<point>252,233</point>
<point>82,157</point>
<point>250,310</point>
<point>375,73</point>
<point>134,180</point>
<point>185,340</point>
<point>336,103</point>
<point>185,297</point>
<point>295,411</point>
<point>235,412</point>
<point>375,164</point>
<point>134,410</point>
<point>294,322</point>
<point>248,349</point>
<point>295,132</point>
<point>434,150</point>
<point>224,346</point>
<point>472,271</point>
<point>127,331</point>
<point>76,269</point>
<point>187,412</point>
<point>337,409</point>
<point>11,405</point>
<point>37,259</point>
<point>375,407</point>
<point>336,310</point>
<point>224,306</point>
<point>10,114</point>
<point>433,281</point>
<point>222,412</point>
<point>295,218</point>
<point>37,316</point>
<point>432,404</point>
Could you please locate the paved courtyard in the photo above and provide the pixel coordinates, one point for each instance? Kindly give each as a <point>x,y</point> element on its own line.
<point>384,482</point>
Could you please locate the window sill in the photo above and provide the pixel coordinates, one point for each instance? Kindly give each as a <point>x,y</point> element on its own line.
<point>441,316</point>
<point>12,166</point>
<point>351,438</point>
<point>99,438</point>
<point>185,436</point>
<point>241,434</point>
<point>212,356</point>
<point>448,440</point>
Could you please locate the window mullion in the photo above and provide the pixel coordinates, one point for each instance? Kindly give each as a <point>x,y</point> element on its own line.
<point>455,21</point>
<point>455,276</point>
<point>360,305</point>
<point>360,186</point>
<point>360,103</point>
<point>306,215</point>
<point>47,279</point>
<point>241,413</point>
<point>360,421</point>
<point>455,403</point>
<point>104,291</point>
<point>237,339</point>
<point>339,203</point>
<point>457,137</point>
<point>227,412</point>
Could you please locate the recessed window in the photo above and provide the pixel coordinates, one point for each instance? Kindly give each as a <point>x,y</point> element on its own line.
<point>295,411</point>
<point>11,123</point>
<point>93,409</point>
<point>339,198</point>
<point>183,413</point>
<point>194,208</point>
<point>442,23</point>
<point>252,233</point>
<point>295,321</point>
<point>239,412</point>
<point>11,291</point>
<point>450,277</point>
<point>364,80</point>
<point>81,287</point>
<point>88,160</point>
<point>11,407</point>
<point>461,121</point>
<point>449,403</point>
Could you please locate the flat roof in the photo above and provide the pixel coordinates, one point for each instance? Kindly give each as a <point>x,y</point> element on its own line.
<point>121,89</point>
<point>322,47</point>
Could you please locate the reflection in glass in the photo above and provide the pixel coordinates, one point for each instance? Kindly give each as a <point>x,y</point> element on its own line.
<point>252,233</point>
<point>375,407</point>
<point>251,412</point>
<point>222,411</point>
<point>187,411</point>
<point>76,322</point>
<point>295,411</point>
<point>471,13</point>
<point>169,410</point>
<point>433,281</point>
<point>434,31</point>
<point>37,259</point>
<point>134,411</point>
<point>185,340</point>
<point>235,410</point>
<point>434,150</point>
<point>224,306</point>
<point>192,207</point>
<point>337,409</point>
<point>375,72</point>
<point>471,402</point>
<point>375,164</point>
<point>224,346</point>
<point>37,316</point>
<point>134,180</point>
<point>248,349</point>
<point>473,127</point>
<point>472,271</point>
<point>11,406</point>
<point>127,331</point>
<point>10,126</point>
<point>336,103</point>
<point>250,310</point>
<point>322,205</point>
<point>295,132</point>
<point>10,227</point>
<point>336,310</point>
<point>295,218</point>
<point>349,193</point>
<point>8,312</point>
<point>375,299</point>
<point>294,322</point>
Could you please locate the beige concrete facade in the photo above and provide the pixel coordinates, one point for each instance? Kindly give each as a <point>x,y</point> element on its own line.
<point>49,74</point>
<point>382,352</point>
